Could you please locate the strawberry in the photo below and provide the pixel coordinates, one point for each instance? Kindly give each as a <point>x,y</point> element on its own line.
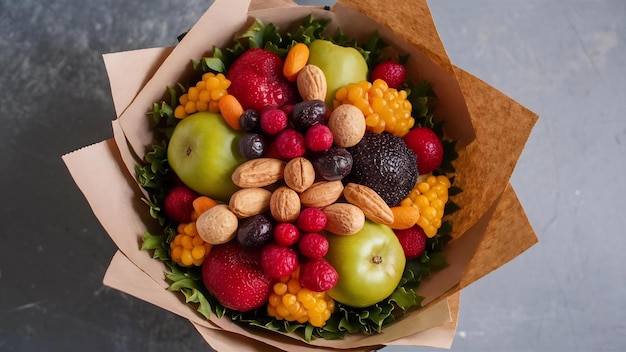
<point>178,203</point>
<point>427,146</point>
<point>391,72</point>
<point>233,275</point>
<point>413,241</point>
<point>257,80</point>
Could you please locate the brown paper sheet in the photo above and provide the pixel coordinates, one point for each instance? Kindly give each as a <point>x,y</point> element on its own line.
<point>124,91</point>
<point>483,241</point>
<point>125,276</point>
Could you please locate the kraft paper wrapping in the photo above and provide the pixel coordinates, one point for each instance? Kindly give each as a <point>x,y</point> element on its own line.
<point>490,229</point>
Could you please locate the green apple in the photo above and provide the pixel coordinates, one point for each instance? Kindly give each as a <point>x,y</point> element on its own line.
<point>203,153</point>
<point>341,65</point>
<point>370,264</point>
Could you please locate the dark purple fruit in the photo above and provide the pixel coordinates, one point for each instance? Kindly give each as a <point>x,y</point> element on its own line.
<point>249,120</point>
<point>384,163</point>
<point>332,164</point>
<point>252,145</point>
<point>308,113</point>
<point>255,231</point>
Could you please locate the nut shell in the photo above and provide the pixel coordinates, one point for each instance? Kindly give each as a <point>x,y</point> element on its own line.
<point>347,123</point>
<point>344,219</point>
<point>217,225</point>
<point>374,206</point>
<point>285,204</point>
<point>248,202</point>
<point>299,174</point>
<point>321,194</point>
<point>259,172</point>
<point>311,83</point>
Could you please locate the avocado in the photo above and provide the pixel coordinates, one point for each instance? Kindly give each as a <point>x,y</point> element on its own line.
<point>384,163</point>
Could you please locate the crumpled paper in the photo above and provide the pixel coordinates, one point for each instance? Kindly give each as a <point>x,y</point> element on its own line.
<point>490,229</point>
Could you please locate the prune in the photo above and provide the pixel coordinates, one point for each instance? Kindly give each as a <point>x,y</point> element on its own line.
<point>252,145</point>
<point>308,113</point>
<point>332,164</point>
<point>249,120</point>
<point>255,231</point>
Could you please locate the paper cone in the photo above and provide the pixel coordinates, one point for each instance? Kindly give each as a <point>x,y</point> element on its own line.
<point>489,230</point>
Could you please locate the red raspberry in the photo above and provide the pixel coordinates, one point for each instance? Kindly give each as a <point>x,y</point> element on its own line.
<point>278,261</point>
<point>413,241</point>
<point>391,72</point>
<point>427,147</point>
<point>273,120</point>
<point>287,108</point>
<point>313,245</point>
<point>289,144</point>
<point>318,138</point>
<point>178,203</point>
<point>311,220</point>
<point>318,275</point>
<point>286,234</point>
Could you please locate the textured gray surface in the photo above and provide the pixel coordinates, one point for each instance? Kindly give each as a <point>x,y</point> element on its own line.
<point>565,60</point>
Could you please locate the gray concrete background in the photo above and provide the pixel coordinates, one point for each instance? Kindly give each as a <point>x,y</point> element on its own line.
<point>565,60</point>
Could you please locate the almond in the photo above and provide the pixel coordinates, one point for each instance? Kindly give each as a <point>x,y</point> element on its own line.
<point>312,83</point>
<point>299,174</point>
<point>285,204</point>
<point>248,202</point>
<point>374,206</point>
<point>217,225</point>
<point>259,172</point>
<point>344,218</point>
<point>321,194</point>
<point>347,123</point>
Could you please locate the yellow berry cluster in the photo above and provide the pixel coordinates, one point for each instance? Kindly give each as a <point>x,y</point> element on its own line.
<point>292,302</point>
<point>385,109</point>
<point>430,196</point>
<point>188,248</point>
<point>204,96</point>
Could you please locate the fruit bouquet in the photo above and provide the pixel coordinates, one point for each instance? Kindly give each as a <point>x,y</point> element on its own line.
<point>307,178</point>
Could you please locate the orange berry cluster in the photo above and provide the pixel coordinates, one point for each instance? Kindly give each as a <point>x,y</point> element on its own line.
<point>204,96</point>
<point>292,302</point>
<point>430,196</point>
<point>188,248</point>
<point>385,109</point>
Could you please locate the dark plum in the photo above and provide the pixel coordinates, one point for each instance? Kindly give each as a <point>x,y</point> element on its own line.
<point>255,231</point>
<point>332,164</point>
<point>252,145</point>
<point>308,113</point>
<point>249,120</point>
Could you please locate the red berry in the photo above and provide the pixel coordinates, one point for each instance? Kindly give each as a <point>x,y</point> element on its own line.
<point>257,80</point>
<point>391,72</point>
<point>233,275</point>
<point>318,275</point>
<point>286,234</point>
<point>427,147</point>
<point>311,220</point>
<point>313,245</point>
<point>273,120</point>
<point>413,241</point>
<point>278,261</point>
<point>318,138</point>
<point>287,108</point>
<point>178,203</point>
<point>289,144</point>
